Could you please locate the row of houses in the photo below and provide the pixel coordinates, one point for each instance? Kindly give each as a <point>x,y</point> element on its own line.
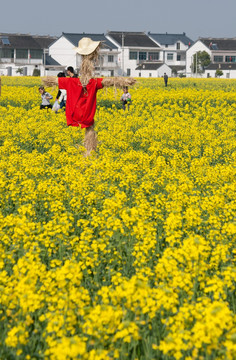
<point>136,54</point>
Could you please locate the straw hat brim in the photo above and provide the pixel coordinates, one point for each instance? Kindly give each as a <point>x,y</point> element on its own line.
<point>88,49</point>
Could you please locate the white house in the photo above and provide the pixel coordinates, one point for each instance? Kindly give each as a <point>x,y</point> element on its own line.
<point>228,70</point>
<point>63,51</point>
<point>222,52</point>
<point>173,49</point>
<point>135,48</point>
<point>152,69</point>
<point>23,54</point>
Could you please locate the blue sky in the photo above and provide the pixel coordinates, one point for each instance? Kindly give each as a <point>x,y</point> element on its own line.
<point>197,18</point>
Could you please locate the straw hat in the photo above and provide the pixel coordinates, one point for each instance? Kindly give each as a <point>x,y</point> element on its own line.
<point>87,46</point>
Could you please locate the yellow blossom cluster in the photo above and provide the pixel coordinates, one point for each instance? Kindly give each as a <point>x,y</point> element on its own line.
<point>128,254</point>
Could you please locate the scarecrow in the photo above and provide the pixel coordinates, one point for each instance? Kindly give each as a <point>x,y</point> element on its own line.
<point>81,92</point>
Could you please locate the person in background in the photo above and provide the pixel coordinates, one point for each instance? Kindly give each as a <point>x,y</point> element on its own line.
<point>71,72</point>
<point>165,79</point>
<point>61,94</point>
<point>126,98</point>
<point>46,97</point>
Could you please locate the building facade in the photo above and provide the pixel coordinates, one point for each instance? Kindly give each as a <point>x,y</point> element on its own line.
<point>137,54</point>
<point>135,48</point>
<point>152,69</point>
<point>173,49</point>
<point>63,51</point>
<point>23,54</point>
<point>222,52</point>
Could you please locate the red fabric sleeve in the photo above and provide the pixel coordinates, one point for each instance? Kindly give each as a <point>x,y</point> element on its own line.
<point>99,83</point>
<point>62,83</point>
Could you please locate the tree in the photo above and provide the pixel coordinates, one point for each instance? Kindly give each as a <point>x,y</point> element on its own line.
<point>36,72</point>
<point>219,73</point>
<point>20,71</point>
<point>174,72</point>
<point>200,61</point>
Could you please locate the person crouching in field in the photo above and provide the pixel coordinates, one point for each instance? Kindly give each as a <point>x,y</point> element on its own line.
<point>45,99</point>
<point>82,91</point>
<point>126,98</point>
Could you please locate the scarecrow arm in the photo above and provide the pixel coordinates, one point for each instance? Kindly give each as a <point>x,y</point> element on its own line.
<point>118,82</point>
<point>50,81</point>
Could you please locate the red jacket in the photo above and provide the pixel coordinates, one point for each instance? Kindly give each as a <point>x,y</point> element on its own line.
<point>80,104</point>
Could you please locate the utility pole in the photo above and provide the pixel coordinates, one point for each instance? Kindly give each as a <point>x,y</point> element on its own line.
<point>44,62</point>
<point>191,66</point>
<point>100,64</point>
<point>196,64</point>
<point>122,45</point>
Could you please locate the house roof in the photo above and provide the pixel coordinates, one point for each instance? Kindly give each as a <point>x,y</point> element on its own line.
<point>75,38</point>
<point>219,43</point>
<point>44,41</point>
<point>24,41</point>
<point>149,66</point>
<point>171,39</point>
<point>177,67</point>
<point>157,65</point>
<point>221,66</point>
<point>132,39</point>
<point>50,61</point>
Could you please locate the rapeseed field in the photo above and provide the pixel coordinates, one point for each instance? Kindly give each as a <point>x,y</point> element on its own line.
<point>130,253</point>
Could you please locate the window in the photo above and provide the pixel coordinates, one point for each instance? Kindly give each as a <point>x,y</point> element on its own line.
<point>110,58</point>
<point>128,72</point>
<point>36,54</point>
<point>112,72</point>
<point>21,54</point>
<point>139,74</point>
<point>150,74</point>
<point>230,59</point>
<point>133,55</point>
<point>166,45</point>
<point>177,45</point>
<point>142,55</point>
<point>153,56</point>
<point>100,60</point>
<point>6,53</point>
<point>170,56</point>
<point>178,57</point>
<point>218,58</point>
<point>5,40</point>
